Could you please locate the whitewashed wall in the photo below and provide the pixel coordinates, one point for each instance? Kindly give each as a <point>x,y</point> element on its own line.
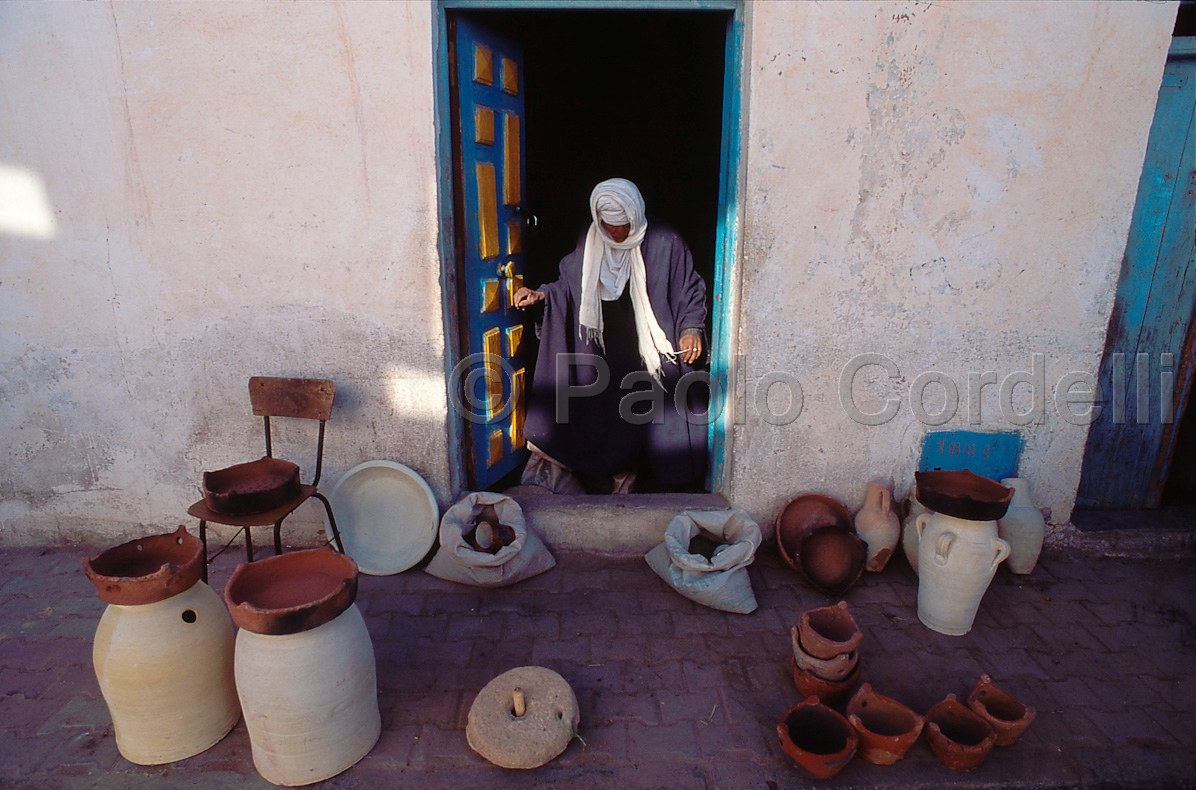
<point>235,190</point>
<point>949,186</point>
<point>191,194</point>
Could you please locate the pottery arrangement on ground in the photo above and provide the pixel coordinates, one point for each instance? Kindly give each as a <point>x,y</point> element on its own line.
<point>880,729</point>
<point>177,676</point>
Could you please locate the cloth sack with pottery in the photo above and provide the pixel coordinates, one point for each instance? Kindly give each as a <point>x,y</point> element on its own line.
<point>485,541</point>
<point>720,582</point>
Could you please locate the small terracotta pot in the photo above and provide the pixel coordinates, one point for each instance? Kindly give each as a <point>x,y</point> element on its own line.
<point>146,570</point>
<point>1006,715</point>
<point>959,738</point>
<point>253,487</point>
<point>293,592</point>
<point>885,727</point>
<point>829,691</point>
<point>820,740</point>
<point>963,494</point>
<point>828,631</point>
<point>832,669</point>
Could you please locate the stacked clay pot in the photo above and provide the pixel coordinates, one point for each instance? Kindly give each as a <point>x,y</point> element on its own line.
<point>305,666</point>
<point>163,650</point>
<point>826,663</point>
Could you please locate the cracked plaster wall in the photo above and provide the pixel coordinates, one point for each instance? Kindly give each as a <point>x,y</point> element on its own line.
<point>949,186</point>
<point>236,190</point>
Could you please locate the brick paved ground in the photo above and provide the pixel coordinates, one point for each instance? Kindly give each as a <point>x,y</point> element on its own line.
<point>672,694</point>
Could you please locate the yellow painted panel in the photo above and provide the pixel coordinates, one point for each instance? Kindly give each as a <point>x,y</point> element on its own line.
<point>511,186</point>
<point>513,285</point>
<point>510,77</point>
<point>495,447</point>
<point>490,297</point>
<point>487,210</point>
<point>514,340</point>
<point>514,236</point>
<point>517,392</point>
<point>483,124</point>
<point>483,65</point>
<point>492,348</point>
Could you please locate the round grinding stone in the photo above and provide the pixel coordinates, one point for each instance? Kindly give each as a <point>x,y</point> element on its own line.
<point>531,740</point>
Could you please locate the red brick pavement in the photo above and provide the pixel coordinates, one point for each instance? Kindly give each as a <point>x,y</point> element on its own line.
<point>672,695</point>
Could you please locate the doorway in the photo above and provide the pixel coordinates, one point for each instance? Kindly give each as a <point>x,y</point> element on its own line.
<point>640,94</point>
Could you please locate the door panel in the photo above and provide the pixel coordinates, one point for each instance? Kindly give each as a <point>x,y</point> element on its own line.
<point>1130,444</point>
<point>489,99</point>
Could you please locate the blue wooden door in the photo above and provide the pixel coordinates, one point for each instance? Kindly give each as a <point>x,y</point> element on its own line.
<point>490,382</point>
<point>1145,373</point>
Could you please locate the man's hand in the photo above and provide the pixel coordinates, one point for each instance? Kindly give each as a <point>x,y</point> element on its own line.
<point>526,297</point>
<point>691,346</point>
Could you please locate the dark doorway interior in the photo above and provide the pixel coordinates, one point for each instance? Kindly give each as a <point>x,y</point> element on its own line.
<point>634,94</point>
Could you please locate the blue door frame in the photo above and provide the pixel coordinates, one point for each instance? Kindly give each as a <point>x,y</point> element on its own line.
<point>727,232</point>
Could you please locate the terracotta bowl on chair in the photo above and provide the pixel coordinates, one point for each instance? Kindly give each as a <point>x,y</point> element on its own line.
<point>253,487</point>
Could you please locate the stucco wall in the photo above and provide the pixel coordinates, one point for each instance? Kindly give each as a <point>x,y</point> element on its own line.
<point>948,186</point>
<point>235,190</point>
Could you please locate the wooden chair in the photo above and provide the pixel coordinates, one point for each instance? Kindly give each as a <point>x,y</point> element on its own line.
<point>307,399</point>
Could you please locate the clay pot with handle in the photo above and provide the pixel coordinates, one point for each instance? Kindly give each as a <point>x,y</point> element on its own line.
<point>957,559</point>
<point>878,525</point>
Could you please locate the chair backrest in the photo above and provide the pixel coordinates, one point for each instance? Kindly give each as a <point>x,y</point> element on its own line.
<point>309,399</point>
<point>305,399</point>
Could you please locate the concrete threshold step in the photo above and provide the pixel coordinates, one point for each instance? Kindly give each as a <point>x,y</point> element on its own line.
<point>619,526</point>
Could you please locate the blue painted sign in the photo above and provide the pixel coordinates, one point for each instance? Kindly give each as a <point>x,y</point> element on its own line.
<point>993,455</point>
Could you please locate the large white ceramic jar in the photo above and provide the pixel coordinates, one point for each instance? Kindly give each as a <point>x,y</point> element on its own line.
<point>166,672</point>
<point>310,699</point>
<point>956,562</point>
<point>1022,526</point>
<point>909,530</point>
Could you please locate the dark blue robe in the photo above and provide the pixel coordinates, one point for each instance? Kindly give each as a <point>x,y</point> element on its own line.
<point>596,440</point>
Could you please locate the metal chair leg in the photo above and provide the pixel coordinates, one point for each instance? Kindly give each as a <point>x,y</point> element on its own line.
<point>248,545</point>
<point>203,538</point>
<point>278,537</point>
<point>336,535</point>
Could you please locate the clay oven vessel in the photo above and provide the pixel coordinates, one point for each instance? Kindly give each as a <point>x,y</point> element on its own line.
<point>828,631</point>
<point>886,728</point>
<point>253,487</point>
<point>817,738</point>
<point>305,666</point>
<point>291,592</point>
<point>1001,710</point>
<point>963,494</point>
<point>163,649</point>
<point>959,738</point>
<point>829,692</point>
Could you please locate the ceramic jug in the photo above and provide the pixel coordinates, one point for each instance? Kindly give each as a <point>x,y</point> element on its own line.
<point>1022,526</point>
<point>909,530</point>
<point>878,525</point>
<point>956,559</point>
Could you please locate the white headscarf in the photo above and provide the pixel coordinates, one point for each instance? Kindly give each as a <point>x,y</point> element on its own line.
<point>608,265</point>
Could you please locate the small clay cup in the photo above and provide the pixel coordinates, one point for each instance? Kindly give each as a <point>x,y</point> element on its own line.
<point>963,494</point>
<point>959,738</point>
<point>1002,711</point>
<point>146,570</point>
<point>820,740</point>
<point>832,669</point>
<point>829,691</point>
<point>828,631</point>
<point>886,728</point>
<point>290,593</point>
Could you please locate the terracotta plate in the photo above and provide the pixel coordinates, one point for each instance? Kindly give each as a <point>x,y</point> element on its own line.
<point>387,516</point>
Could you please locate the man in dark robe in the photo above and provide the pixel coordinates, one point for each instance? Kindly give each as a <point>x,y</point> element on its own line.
<point>627,300</point>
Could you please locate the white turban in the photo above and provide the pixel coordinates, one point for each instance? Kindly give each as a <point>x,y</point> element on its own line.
<point>608,265</point>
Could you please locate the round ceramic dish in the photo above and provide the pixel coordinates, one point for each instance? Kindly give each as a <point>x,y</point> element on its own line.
<point>387,516</point>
